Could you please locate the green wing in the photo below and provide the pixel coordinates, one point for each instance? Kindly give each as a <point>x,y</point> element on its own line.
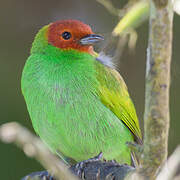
<point>114,95</point>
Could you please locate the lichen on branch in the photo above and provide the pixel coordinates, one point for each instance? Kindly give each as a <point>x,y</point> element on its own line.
<point>156,116</point>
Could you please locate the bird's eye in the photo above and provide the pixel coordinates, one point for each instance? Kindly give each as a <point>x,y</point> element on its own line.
<point>66,35</point>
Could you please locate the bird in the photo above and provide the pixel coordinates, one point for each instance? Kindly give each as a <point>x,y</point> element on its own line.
<point>78,102</point>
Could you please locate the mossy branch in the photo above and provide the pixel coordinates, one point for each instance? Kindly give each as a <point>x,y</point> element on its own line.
<point>156,116</point>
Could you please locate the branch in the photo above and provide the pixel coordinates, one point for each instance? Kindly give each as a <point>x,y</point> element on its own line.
<point>135,15</point>
<point>156,116</point>
<point>33,147</point>
<point>171,166</point>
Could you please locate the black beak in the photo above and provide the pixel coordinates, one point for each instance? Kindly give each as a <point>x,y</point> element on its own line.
<point>91,39</point>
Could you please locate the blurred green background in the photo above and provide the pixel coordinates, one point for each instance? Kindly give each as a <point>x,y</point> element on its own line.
<point>19,22</point>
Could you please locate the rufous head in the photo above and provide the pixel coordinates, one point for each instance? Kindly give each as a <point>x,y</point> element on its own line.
<point>72,34</point>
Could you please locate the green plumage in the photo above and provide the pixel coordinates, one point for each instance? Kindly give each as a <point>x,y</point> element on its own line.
<point>78,106</point>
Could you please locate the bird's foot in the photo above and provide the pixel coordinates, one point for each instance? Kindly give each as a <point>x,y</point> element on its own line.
<point>81,165</point>
<point>41,175</point>
<point>112,161</point>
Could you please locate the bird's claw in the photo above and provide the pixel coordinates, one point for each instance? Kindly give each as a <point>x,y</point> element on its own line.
<point>81,165</point>
<point>42,175</point>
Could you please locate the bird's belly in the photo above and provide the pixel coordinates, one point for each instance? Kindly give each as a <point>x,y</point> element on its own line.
<point>82,128</point>
<point>79,126</point>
